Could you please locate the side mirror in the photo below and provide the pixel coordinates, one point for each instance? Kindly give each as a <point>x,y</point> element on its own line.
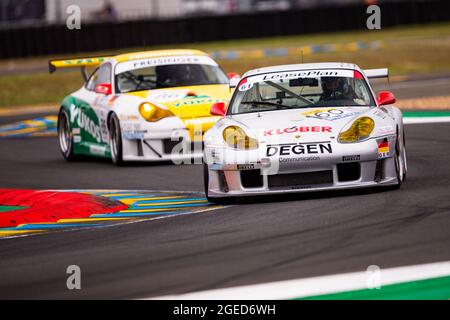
<point>218,109</point>
<point>234,79</point>
<point>385,98</point>
<point>103,88</point>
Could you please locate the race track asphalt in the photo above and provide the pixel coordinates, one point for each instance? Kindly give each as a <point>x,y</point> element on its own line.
<point>277,239</point>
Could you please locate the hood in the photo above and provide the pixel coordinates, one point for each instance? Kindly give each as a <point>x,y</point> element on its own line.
<point>300,125</point>
<point>191,104</point>
<point>187,102</point>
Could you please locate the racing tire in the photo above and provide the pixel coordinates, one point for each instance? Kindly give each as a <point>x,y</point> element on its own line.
<point>65,136</point>
<point>399,164</point>
<point>115,140</point>
<point>206,183</point>
<point>405,165</point>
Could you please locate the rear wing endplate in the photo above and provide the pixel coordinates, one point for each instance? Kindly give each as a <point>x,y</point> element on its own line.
<point>377,73</point>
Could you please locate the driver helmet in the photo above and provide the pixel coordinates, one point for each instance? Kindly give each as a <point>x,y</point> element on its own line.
<point>334,85</point>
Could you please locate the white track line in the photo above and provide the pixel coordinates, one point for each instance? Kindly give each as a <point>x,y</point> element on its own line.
<point>418,120</point>
<point>308,287</point>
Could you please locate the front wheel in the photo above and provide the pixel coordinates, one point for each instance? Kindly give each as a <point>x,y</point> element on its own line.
<point>400,160</point>
<point>115,140</point>
<point>65,136</point>
<point>206,181</point>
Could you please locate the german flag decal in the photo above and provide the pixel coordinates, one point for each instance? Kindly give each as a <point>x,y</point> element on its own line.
<point>383,149</point>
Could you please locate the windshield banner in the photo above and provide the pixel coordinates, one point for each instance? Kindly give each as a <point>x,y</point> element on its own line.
<point>146,63</point>
<point>277,76</point>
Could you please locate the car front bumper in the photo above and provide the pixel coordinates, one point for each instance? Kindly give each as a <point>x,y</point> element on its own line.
<point>350,166</point>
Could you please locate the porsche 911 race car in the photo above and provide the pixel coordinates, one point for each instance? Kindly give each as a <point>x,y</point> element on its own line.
<point>304,127</point>
<point>143,106</point>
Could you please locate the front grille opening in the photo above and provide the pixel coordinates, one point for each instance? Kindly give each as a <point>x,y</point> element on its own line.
<point>169,144</point>
<point>251,178</point>
<point>349,171</point>
<point>304,179</point>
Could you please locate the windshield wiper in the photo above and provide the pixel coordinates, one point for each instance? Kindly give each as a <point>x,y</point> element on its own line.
<point>279,105</point>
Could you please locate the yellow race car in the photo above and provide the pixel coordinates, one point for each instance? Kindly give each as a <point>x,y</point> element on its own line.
<point>143,106</point>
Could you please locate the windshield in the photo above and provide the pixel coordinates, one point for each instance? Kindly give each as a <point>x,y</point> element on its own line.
<point>167,76</point>
<point>301,89</point>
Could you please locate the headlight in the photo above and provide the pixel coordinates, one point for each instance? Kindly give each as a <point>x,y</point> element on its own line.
<point>236,138</point>
<point>360,129</point>
<point>152,113</point>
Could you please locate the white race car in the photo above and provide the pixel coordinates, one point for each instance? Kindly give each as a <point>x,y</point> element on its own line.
<point>304,127</point>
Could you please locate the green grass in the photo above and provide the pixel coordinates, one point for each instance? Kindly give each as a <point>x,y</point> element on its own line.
<point>10,208</point>
<point>408,50</point>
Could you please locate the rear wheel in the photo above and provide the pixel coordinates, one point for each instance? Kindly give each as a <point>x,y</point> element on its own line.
<point>65,135</point>
<point>115,140</point>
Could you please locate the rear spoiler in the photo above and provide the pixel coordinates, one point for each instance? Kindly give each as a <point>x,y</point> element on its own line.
<point>76,63</point>
<point>377,73</point>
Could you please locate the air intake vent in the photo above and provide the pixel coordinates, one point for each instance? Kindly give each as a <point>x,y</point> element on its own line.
<point>349,171</point>
<point>303,179</point>
<point>251,178</point>
<point>379,171</point>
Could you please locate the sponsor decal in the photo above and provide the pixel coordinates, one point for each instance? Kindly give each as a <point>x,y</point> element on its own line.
<point>351,158</point>
<point>330,114</point>
<point>246,166</point>
<point>301,74</point>
<point>277,76</point>
<point>76,131</point>
<point>201,120</point>
<point>85,123</point>
<point>166,96</point>
<point>131,126</point>
<point>380,114</point>
<point>299,159</point>
<point>298,149</point>
<point>152,62</point>
<point>124,117</point>
<point>190,101</point>
<point>386,130</point>
<point>133,135</point>
<point>112,100</point>
<point>383,149</point>
<point>77,139</point>
<point>296,129</point>
<point>94,149</point>
<point>104,127</point>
